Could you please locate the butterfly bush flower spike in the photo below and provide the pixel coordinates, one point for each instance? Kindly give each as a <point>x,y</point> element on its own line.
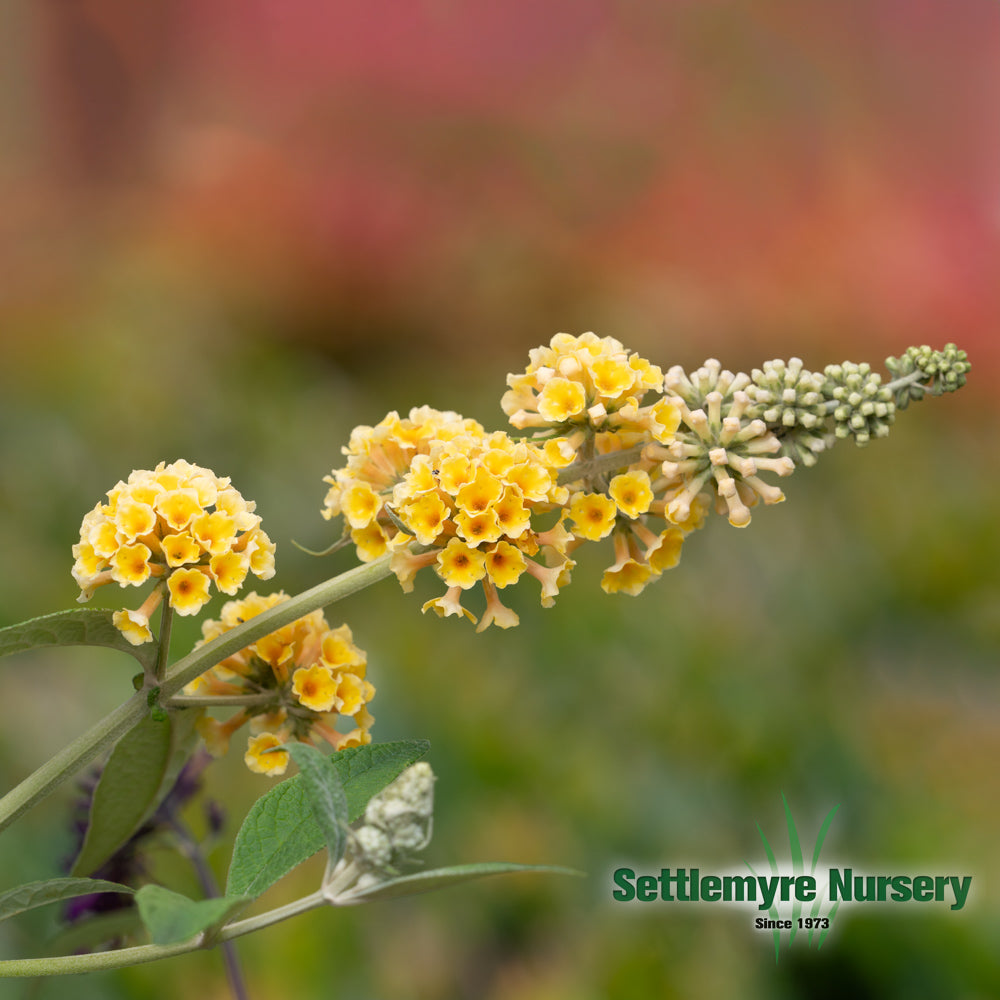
<point>617,450</point>
<point>179,525</point>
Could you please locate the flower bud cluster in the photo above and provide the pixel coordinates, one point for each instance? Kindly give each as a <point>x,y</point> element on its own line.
<point>862,407</point>
<point>790,400</point>
<point>939,372</point>
<point>397,822</point>
<point>179,524</point>
<point>301,679</point>
<point>721,448</point>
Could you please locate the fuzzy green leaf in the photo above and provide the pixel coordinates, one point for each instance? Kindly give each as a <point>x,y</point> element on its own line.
<point>442,878</point>
<point>141,770</point>
<point>325,792</point>
<point>76,627</point>
<point>280,830</point>
<point>171,918</point>
<point>52,890</point>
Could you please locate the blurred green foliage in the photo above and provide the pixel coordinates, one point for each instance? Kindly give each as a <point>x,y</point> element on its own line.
<point>840,650</point>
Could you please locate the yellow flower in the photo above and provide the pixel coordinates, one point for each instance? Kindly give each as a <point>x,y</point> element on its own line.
<point>262,758</point>
<point>459,565</point>
<point>133,518</point>
<point>480,494</point>
<point>215,532</point>
<point>455,472</point>
<point>188,591</point>
<point>561,399</point>
<point>668,553</point>
<point>315,687</point>
<point>130,565</point>
<point>593,514</point>
<point>180,549</point>
<point>632,493</point>
<point>505,563</point>
<point>360,504</point>
<point>229,570</point>
<point>513,515</point>
<point>134,626</point>
<point>371,542</point>
<point>559,452</point>
<point>583,380</point>
<point>311,676</point>
<point>496,613</point>
<point>426,517</point>
<point>469,494</point>
<point>352,693</point>
<point>479,528</point>
<point>178,507</point>
<point>630,577</point>
<point>449,604</point>
<point>338,651</point>
<point>611,376</point>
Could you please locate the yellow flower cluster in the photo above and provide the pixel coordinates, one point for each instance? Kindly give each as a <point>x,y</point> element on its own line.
<point>179,524</point>
<point>591,389</point>
<point>587,380</point>
<point>465,496</point>
<point>300,679</point>
<point>377,458</point>
<point>472,499</point>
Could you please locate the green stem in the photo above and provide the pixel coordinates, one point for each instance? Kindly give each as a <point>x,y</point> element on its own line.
<point>218,700</point>
<point>163,648</point>
<point>65,965</point>
<point>599,464</point>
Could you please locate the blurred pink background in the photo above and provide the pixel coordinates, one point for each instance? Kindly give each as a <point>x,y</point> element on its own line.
<point>466,177</point>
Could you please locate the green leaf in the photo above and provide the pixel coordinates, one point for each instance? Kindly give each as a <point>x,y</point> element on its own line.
<point>140,772</point>
<point>171,918</point>
<point>76,627</point>
<point>442,878</point>
<point>325,792</point>
<point>280,830</point>
<point>52,890</point>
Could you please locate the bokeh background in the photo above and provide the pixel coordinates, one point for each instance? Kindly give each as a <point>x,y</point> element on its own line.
<point>231,230</point>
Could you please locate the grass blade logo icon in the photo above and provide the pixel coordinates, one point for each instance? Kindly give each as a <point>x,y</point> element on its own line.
<point>813,925</point>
